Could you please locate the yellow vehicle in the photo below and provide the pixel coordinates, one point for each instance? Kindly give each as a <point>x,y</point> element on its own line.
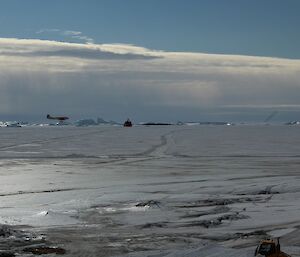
<point>270,248</point>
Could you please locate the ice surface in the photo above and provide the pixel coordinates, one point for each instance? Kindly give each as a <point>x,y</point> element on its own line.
<point>153,191</point>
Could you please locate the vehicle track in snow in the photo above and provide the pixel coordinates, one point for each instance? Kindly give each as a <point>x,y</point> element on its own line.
<point>52,139</point>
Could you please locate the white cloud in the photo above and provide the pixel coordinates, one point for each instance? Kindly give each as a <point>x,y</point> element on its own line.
<point>47,30</point>
<point>78,35</point>
<point>71,33</point>
<point>68,34</point>
<point>39,76</point>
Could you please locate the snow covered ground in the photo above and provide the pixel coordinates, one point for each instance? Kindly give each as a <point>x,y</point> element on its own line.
<point>151,191</point>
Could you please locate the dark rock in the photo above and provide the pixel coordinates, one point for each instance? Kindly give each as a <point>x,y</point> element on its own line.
<point>7,254</point>
<point>216,210</point>
<point>5,231</point>
<point>156,124</point>
<point>45,250</point>
<point>217,202</point>
<point>154,225</point>
<point>148,203</point>
<point>217,221</point>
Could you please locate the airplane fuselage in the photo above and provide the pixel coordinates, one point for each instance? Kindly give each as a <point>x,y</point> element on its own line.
<point>60,118</point>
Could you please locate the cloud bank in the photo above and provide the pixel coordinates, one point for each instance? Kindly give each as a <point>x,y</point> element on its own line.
<point>118,80</point>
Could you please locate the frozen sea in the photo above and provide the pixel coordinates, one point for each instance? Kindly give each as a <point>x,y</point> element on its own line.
<point>158,191</point>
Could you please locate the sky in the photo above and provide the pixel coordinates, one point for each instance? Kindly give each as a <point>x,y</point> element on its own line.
<point>150,60</point>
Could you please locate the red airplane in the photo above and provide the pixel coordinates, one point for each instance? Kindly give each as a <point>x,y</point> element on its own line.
<point>59,118</point>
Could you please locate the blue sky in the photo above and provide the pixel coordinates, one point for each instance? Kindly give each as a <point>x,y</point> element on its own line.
<point>145,59</point>
<point>248,27</point>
